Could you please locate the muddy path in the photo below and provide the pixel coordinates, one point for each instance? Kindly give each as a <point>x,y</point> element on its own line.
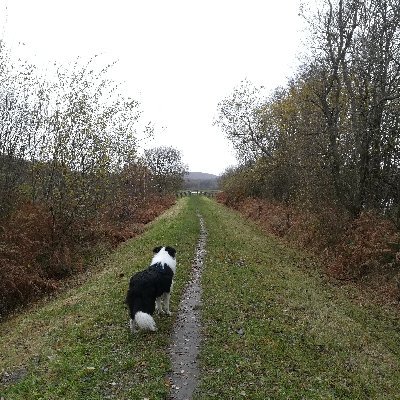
<point>186,335</point>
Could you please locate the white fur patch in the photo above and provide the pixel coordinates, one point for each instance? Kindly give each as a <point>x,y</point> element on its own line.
<point>164,258</point>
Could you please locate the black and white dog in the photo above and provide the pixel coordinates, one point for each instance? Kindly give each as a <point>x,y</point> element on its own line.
<point>150,289</point>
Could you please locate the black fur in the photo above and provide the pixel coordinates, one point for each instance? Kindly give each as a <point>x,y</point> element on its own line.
<point>157,249</point>
<point>145,286</point>
<point>171,251</point>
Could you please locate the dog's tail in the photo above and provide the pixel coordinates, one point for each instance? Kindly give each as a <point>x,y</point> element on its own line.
<point>145,321</point>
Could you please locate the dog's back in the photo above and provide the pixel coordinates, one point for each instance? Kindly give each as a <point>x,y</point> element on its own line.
<point>145,286</point>
<point>150,286</point>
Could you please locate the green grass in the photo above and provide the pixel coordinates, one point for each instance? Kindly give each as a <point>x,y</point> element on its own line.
<point>275,329</point>
<point>79,345</point>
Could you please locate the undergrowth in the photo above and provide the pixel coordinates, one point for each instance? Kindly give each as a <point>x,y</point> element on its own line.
<point>37,254</point>
<point>365,250</point>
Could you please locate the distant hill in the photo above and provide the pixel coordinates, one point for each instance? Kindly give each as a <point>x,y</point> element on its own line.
<point>199,175</point>
<point>200,181</point>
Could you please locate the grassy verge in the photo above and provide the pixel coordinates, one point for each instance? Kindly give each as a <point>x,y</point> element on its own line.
<point>78,346</point>
<point>275,329</point>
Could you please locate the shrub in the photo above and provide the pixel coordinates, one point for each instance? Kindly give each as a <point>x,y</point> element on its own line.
<point>349,248</point>
<point>34,258</point>
<point>369,244</point>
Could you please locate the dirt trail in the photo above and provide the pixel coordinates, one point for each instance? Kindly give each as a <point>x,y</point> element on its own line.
<point>186,335</point>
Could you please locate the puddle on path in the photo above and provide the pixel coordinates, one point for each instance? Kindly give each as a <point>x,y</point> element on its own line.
<point>186,335</point>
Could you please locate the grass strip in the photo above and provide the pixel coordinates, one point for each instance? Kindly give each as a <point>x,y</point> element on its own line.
<point>274,328</point>
<point>78,346</point>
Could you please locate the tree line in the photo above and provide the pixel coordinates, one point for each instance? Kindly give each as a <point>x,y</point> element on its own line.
<point>329,139</point>
<point>71,171</point>
<point>333,132</point>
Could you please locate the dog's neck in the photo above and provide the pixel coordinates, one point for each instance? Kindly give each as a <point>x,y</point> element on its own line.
<point>163,257</point>
<point>173,266</point>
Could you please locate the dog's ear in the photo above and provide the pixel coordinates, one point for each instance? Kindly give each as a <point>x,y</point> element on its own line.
<point>171,251</point>
<point>157,249</point>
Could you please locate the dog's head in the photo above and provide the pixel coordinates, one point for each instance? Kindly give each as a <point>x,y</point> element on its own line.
<point>170,250</point>
<point>165,255</point>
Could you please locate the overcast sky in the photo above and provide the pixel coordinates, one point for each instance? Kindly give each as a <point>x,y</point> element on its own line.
<point>179,58</point>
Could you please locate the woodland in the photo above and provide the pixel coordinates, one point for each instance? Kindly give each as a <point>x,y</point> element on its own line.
<point>72,181</point>
<point>320,157</point>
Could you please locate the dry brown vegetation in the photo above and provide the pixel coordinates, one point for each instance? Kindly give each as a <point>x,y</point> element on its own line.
<point>364,250</point>
<point>35,256</point>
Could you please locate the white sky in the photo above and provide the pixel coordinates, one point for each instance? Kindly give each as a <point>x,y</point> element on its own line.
<point>179,58</point>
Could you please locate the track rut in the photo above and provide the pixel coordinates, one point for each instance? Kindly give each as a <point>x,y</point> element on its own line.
<point>186,335</point>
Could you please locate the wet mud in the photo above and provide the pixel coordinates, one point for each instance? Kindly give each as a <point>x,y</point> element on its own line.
<point>186,336</point>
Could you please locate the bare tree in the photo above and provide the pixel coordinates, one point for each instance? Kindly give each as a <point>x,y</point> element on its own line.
<point>356,78</point>
<point>167,168</point>
<point>240,116</point>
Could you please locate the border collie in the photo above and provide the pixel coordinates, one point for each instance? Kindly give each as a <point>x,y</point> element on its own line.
<point>150,289</point>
